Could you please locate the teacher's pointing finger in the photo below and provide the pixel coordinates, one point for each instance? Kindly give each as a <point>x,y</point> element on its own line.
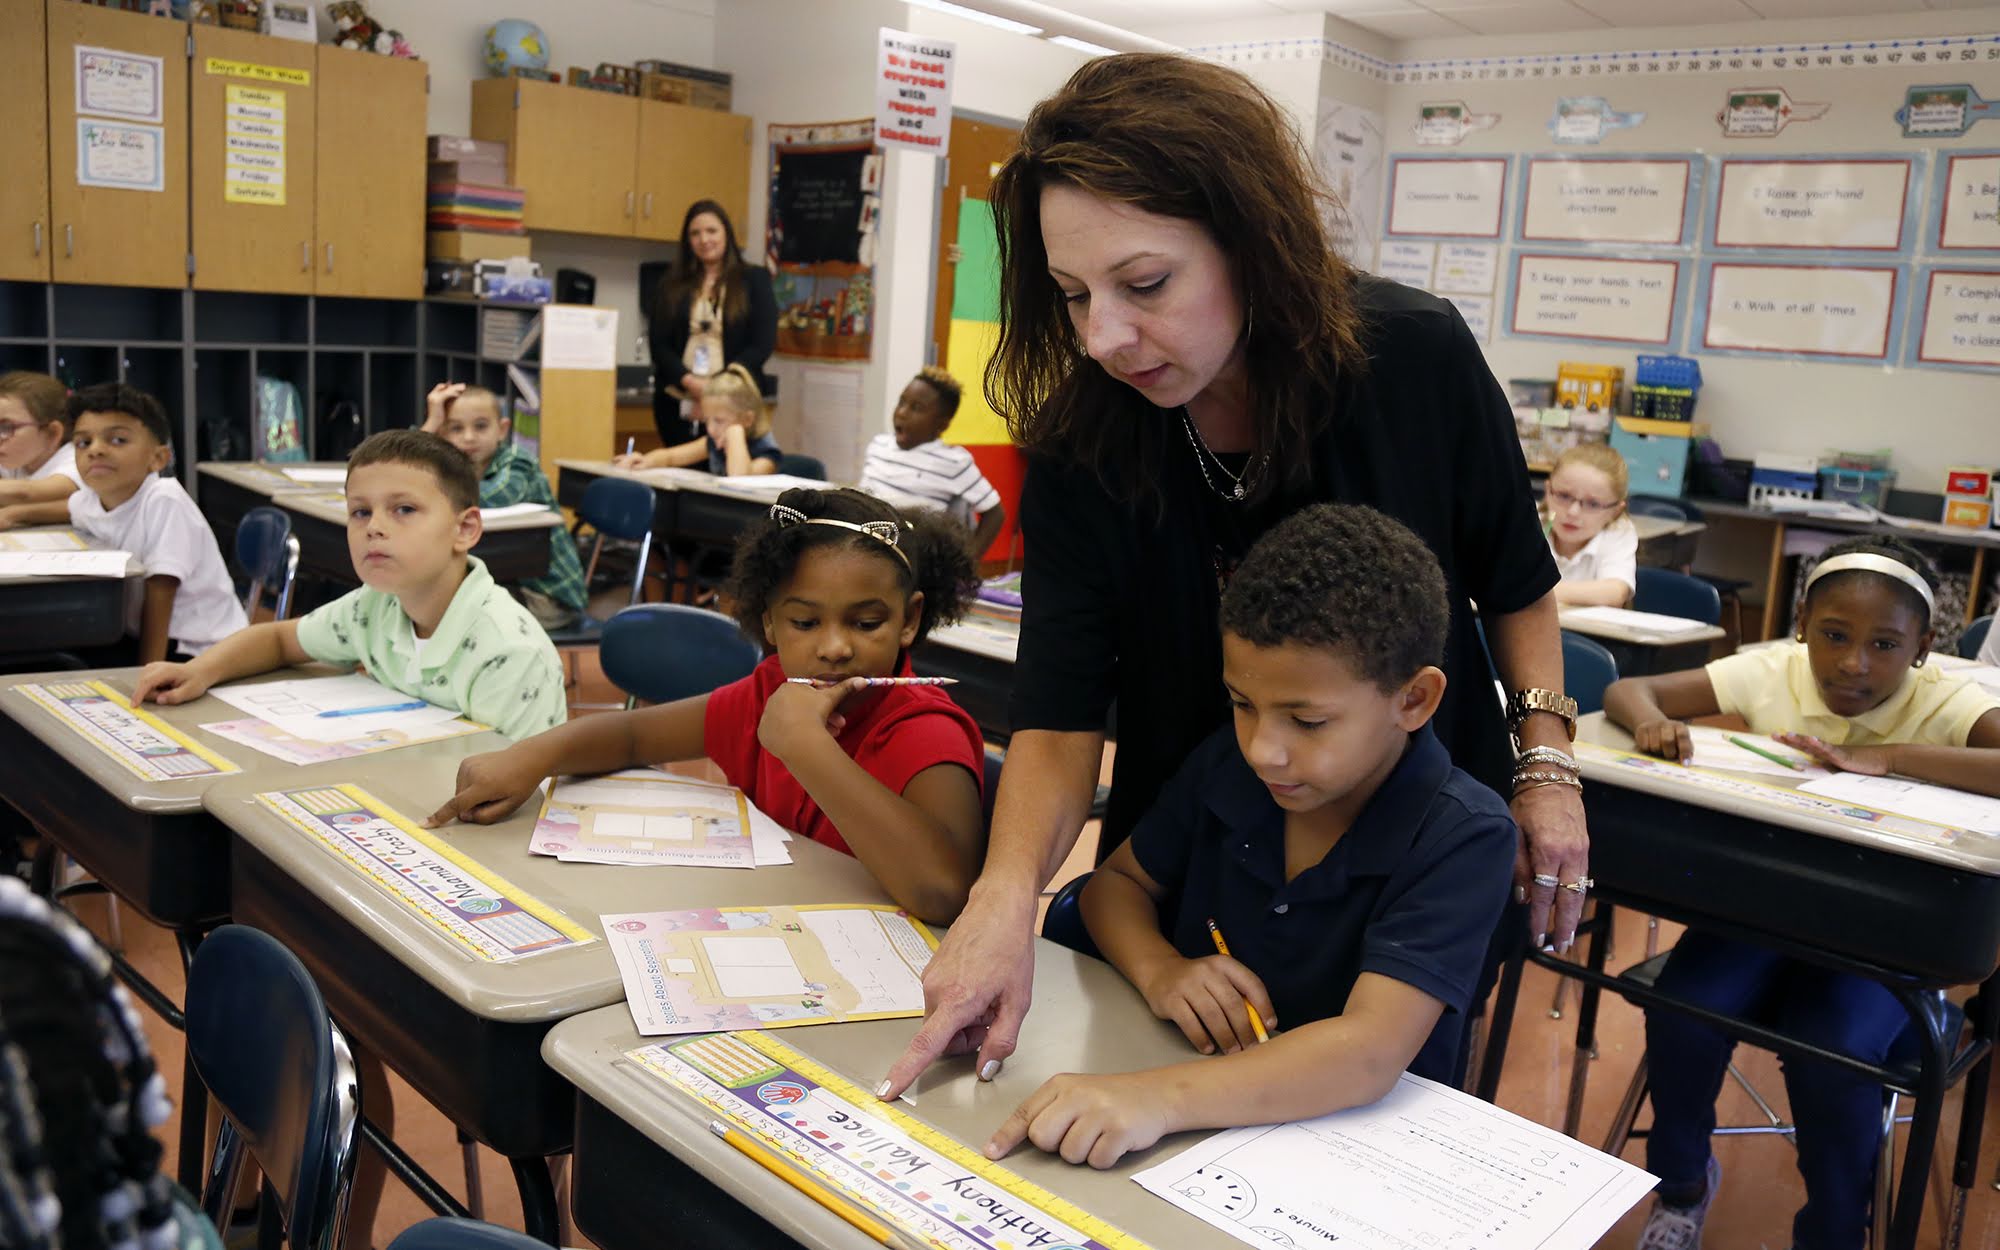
<point>976,992</point>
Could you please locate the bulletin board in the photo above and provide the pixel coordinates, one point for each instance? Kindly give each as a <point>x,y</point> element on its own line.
<point>820,237</point>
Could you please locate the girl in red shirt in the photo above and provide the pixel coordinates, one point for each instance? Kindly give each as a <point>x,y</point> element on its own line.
<point>839,586</point>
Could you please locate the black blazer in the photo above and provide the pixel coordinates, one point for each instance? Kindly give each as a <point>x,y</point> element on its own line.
<point>747,342</point>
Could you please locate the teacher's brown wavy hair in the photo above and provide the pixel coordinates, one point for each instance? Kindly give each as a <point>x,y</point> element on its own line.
<point>682,281</point>
<point>1180,138</point>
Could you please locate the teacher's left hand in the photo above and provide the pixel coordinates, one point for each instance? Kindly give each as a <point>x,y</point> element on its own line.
<point>1554,843</point>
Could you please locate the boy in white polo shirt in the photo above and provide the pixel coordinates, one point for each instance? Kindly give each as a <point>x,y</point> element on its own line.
<point>913,466</point>
<point>187,603</point>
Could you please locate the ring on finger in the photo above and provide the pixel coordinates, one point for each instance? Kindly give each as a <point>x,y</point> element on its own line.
<point>1546,879</point>
<point>1579,886</point>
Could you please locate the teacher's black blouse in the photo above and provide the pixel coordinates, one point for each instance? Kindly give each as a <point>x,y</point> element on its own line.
<point>1120,606</point>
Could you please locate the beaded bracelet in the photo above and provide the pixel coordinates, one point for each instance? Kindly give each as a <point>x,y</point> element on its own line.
<point>1551,756</point>
<point>1544,779</point>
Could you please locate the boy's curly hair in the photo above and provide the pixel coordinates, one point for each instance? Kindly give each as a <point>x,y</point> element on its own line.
<point>1348,579</point>
<point>1877,545</point>
<point>942,564</point>
<point>944,385</point>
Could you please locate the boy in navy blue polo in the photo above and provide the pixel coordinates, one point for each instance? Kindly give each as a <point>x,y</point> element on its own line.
<point>1355,873</point>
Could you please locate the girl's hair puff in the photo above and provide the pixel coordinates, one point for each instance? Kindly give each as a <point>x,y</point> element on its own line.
<point>942,564</point>
<point>734,386</point>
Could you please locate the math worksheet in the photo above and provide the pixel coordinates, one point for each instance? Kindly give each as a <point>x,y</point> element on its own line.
<point>644,816</point>
<point>332,709</point>
<point>721,968</point>
<point>62,563</point>
<point>1427,1166</point>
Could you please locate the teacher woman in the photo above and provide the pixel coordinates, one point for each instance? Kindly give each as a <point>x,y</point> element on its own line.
<point>710,311</point>
<point>1187,361</point>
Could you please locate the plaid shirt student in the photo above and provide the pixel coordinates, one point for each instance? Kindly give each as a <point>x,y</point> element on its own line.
<point>512,478</point>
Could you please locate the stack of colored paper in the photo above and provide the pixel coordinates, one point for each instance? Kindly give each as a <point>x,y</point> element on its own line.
<point>476,206</point>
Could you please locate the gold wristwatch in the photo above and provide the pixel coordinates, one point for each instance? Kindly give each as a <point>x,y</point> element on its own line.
<point>1523,702</point>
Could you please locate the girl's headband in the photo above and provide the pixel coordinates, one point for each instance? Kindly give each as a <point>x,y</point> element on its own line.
<point>885,532</point>
<point>1887,566</point>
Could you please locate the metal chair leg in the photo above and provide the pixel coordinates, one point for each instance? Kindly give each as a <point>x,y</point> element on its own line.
<point>1627,1114</point>
<point>1885,1176</point>
<point>114,924</point>
<point>475,1192</point>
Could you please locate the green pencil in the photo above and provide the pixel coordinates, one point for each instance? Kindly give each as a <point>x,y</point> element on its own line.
<point>1772,756</point>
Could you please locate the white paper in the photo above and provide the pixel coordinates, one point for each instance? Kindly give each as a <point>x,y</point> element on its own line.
<point>1812,310</point>
<point>111,83</point>
<point>1409,261</point>
<point>1917,799</point>
<point>295,707</point>
<point>1347,145</point>
<point>126,156</point>
<point>64,563</point>
<point>1627,619</point>
<point>313,474</point>
<point>913,77</point>
<point>1478,313</point>
<point>1447,197</point>
<point>579,336</point>
<point>1595,297</point>
<point>1467,268</point>
<point>1811,204</point>
<point>1427,1166</point>
<point>1713,749</point>
<point>642,816</point>
<point>769,485</point>
<point>1605,201</point>
<point>41,540</point>
<point>514,509</point>
<point>1971,214</point>
<point>1961,318</point>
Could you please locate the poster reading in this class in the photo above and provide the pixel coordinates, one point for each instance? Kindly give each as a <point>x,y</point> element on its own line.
<point>913,76</point>
<point>1447,196</point>
<point>1807,310</point>
<point>1857,205</point>
<point>1961,318</point>
<point>1595,297</point>
<point>1969,195</point>
<point>1607,200</point>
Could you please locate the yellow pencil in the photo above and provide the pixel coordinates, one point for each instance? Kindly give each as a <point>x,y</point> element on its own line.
<point>790,1175</point>
<point>1222,948</point>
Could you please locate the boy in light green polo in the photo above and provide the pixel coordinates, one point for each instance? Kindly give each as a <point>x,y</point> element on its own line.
<point>428,619</point>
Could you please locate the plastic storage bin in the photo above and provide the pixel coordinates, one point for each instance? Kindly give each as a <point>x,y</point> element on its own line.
<point>1776,476</point>
<point>1656,453</point>
<point>1868,487</point>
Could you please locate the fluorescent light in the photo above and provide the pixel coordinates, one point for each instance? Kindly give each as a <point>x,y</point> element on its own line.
<point>974,15</point>
<point>1091,49</point>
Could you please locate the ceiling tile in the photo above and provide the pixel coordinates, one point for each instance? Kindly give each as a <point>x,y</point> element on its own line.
<point>1408,24</point>
<point>1676,13</point>
<point>1834,8</point>
<point>1517,18</point>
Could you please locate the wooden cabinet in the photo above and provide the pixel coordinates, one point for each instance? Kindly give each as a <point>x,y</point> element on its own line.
<point>24,143</point>
<point>100,232</point>
<point>370,178</point>
<point>596,163</point>
<point>688,154</point>
<point>252,171</point>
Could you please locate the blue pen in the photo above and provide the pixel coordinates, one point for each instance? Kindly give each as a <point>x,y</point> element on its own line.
<point>412,706</point>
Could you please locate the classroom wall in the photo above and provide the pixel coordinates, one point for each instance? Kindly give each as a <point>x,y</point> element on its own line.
<point>1932,418</point>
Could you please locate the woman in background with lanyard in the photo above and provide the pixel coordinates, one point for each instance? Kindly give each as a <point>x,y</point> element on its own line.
<point>711,311</point>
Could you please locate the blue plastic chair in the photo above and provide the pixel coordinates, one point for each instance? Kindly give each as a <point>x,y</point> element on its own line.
<point>1063,922</point>
<point>616,508</point>
<point>1974,637</point>
<point>281,1073</point>
<point>268,553</point>
<point>661,652</point>
<point>1662,506</point>
<point>1677,594</point>
<point>451,1234</point>
<point>802,466</point>
<point>1588,667</point>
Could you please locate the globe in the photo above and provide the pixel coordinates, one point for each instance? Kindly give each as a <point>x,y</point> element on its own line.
<point>515,44</point>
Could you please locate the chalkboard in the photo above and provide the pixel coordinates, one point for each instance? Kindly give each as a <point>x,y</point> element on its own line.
<point>817,200</point>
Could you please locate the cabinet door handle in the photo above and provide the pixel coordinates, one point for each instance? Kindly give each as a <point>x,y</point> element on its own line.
<point>649,205</point>
<point>329,258</point>
<point>69,240</point>
<point>305,255</point>
<point>38,238</point>
<point>628,203</point>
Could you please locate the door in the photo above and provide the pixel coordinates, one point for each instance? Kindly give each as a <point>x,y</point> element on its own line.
<point>24,143</point>
<point>252,177</point>
<point>572,150</point>
<point>688,154</point>
<point>369,180</point>
<point>118,167</point>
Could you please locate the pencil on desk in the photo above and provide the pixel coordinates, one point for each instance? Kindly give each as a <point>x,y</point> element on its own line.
<point>790,1175</point>
<point>875,681</point>
<point>1222,949</point>
<point>1772,756</point>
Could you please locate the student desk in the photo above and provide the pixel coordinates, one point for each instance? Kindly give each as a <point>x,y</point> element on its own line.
<point>1641,651</point>
<point>979,652</point>
<point>467,1033</point>
<point>1777,589</point>
<point>645,1161</point>
<point>47,615</point>
<point>573,478</point>
<point>231,488</point>
<point>147,842</point>
<point>1876,898</point>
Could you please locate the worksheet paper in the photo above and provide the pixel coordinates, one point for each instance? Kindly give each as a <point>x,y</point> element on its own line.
<point>767,485</point>
<point>1641,622</point>
<point>1426,1166</point>
<point>260,735</point>
<point>720,968</point>
<point>64,563</point>
<point>1920,800</point>
<point>318,475</point>
<point>513,509</point>
<point>644,816</point>
<point>42,540</point>
<point>1713,749</point>
<point>297,707</point>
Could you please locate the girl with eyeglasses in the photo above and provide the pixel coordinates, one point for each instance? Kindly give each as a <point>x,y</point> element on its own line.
<point>37,462</point>
<point>1595,544</point>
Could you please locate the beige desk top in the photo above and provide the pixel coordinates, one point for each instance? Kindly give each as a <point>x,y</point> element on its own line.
<point>544,987</point>
<point>658,479</point>
<point>266,479</point>
<point>1974,852</point>
<point>1619,631</point>
<point>1651,527</point>
<point>979,637</point>
<point>137,793</point>
<point>1086,1018</point>
<point>132,566</point>
<point>331,507</point>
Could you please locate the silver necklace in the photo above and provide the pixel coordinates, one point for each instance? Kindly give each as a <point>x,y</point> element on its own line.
<point>1239,483</point>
